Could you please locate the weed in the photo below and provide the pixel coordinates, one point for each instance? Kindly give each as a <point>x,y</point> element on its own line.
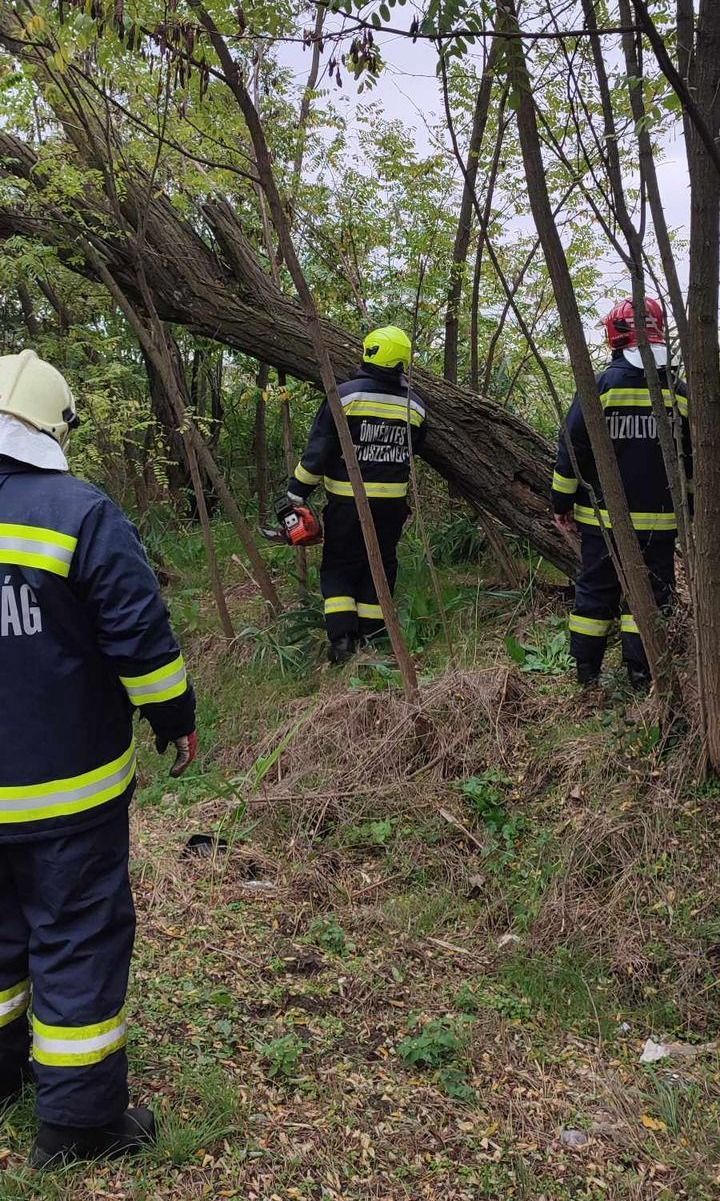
<point>485,796</point>
<point>492,996</point>
<point>376,676</point>
<point>437,1042</point>
<point>283,1056</point>
<point>550,655</point>
<point>370,834</point>
<point>327,933</point>
<point>457,541</point>
<point>453,1081</point>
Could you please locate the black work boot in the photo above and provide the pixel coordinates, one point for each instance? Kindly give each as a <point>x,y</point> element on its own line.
<point>56,1146</point>
<point>12,1086</point>
<point>588,674</point>
<point>639,678</point>
<point>341,649</point>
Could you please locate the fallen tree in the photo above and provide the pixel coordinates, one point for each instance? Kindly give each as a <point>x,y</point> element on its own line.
<point>210,279</point>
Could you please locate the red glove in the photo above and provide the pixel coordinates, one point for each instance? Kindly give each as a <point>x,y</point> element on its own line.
<point>186,747</point>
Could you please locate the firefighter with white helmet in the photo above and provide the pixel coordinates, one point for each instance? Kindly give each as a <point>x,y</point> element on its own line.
<point>85,639</point>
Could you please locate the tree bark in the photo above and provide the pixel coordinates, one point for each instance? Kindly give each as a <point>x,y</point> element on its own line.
<point>213,567</point>
<point>494,459</point>
<point>704,363</point>
<point>290,461</point>
<point>260,442</point>
<point>28,310</point>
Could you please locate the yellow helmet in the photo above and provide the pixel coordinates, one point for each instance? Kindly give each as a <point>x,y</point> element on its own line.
<point>387,347</point>
<point>37,393</point>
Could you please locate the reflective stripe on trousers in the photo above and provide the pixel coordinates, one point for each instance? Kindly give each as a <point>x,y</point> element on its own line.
<point>78,1046</point>
<point>14,1002</point>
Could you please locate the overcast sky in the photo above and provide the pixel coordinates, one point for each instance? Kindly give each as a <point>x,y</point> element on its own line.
<point>408,89</point>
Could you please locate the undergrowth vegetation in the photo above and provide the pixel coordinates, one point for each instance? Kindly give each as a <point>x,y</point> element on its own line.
<point>427,943</point>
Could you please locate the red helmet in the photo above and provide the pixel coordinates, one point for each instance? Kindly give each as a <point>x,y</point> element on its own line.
<point>620,324</point>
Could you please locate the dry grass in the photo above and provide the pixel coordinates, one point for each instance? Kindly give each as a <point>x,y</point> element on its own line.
<point>358,741</point>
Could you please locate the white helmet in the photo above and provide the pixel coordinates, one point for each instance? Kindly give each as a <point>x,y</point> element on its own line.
<point>37,393</point>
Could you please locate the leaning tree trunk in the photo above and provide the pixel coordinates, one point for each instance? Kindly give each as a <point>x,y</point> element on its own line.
<point>494,459</point>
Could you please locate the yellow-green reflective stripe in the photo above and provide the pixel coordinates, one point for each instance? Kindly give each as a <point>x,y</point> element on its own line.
<point>160,685</point>
<point>641,521</point>
<point>39,533</point>
<point>682,405</point>
<point>305,477</point>
<point>340,604</point>
<point>593,626</point>
<point>563,483</point>
<point>35,546</point>
<point>631,398</point>
<point>391,412</point>
<point>13,1002</point>
<point>60,798</point>
<point>78,1046</point>
<point>391,399</point>
<point>628,624</point>
<point>373,612</point>
<point>374,491</point>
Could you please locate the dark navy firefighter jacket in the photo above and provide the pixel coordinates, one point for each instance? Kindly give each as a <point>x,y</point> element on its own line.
<point>632,426</point>
<point>377,407</point>
<point>84,639</point>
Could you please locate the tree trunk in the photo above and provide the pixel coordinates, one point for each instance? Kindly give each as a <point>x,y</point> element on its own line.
<point>177,467</point>
<point>290,461</point>
<point>213,567</point>
<point>28,310</point>
<point>156,345</point>
<point>260,442</point>
<point>494,459</point>
<point>704,365</point>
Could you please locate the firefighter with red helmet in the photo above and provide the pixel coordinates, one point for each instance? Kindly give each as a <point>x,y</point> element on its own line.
<point>627,406</point>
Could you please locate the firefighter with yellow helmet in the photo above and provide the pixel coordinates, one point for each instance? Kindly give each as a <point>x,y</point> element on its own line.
<point>84,641</point>
<point>387,422</point>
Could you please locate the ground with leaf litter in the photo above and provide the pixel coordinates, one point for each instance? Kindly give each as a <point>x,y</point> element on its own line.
<point>428,959</point>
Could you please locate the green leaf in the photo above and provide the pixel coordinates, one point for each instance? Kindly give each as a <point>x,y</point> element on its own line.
<point>515,649</point>
<point>385,13</point>
<point>514,100</point>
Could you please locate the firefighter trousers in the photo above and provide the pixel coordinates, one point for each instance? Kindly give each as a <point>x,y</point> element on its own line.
<point>599,600</point>
<point>66,938</point>
<point>351,602</point>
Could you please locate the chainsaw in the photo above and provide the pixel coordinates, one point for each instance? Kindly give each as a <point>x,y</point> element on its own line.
<point>297,525</point>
